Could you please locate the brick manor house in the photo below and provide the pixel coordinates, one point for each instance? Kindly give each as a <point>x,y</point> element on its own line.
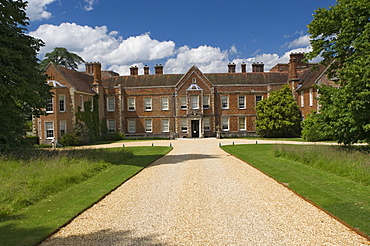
<point>192,105</point>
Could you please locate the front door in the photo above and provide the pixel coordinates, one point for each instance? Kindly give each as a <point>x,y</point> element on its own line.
<point>195,128</point>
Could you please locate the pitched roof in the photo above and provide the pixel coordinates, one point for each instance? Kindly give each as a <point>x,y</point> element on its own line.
<point>247,78</point>
<point>309,76</point>
<point>214,78</point>
<point>80,81</point>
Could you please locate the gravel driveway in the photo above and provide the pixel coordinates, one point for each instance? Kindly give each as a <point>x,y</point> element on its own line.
<point>199,195</point>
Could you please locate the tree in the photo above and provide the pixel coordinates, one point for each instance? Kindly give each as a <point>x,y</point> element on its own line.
<point>278,115</point>
<point>22,85</point>
<point>341,35</point>
<point>62,57</point>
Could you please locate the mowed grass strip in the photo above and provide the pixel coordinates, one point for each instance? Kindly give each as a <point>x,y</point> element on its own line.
<point>31,224</point>
<point>345,198</point>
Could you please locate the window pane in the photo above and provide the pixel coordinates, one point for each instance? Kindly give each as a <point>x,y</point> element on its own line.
<point>62,103</point>
<point>111,103</point>
<point>241,102</point>
<point>49,127</point>
<point>49,105</point>
<point>206,102</point>
<point>206,124</point>
<point>82,103</point>
<point>131,104</point>
<point>224,102</point>
<point>258,99</point>
<point>131,126</point>
<point>184,124</point>
<point>164,101</point>
<point>62,126</point>
<point>183,102</point>
<point>242,123</point>
<point>194,102</point>
<point>111,125</point>
<point>165,125</point>
<point>148,125</point>
<point>225,123</point>
<point>148,103</point>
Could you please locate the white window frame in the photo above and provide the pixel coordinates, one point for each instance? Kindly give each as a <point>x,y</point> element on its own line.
<point>148,104</point>
<point>242,120</point>
<point>242,104</point>
<point>165,125</point>
<point>258,100</point>
<point>311,97</point>
<point>206,100</point>
<point>111,104</point>
<point>148,125</point>
<point>165,103</point>
<point>194,101</point>
<point>183,105</point>
<point>47,128</point>
<point>225,126</point>
<point>62,103</point>
<point>111,125</point>
<point>184,124</point>
<point>62,128</point>
<point>49,105</point>
<point>302,98</point>
<point>207,124</point>
<point>131,104</point>
<point>82,105</point>
<point>131,126</point>
<point>225,102</point>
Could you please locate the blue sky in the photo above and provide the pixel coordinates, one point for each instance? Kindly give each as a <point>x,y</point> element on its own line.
<point>177,34</point>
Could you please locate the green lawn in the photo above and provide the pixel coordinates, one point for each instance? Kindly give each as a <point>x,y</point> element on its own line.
<point>346,199</point>
<point>30,225</point>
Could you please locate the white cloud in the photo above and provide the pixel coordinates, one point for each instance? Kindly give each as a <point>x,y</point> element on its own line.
<point>98,44</point>
<point>89,4</point>
<point>299,42</point>
<point>36,9</point>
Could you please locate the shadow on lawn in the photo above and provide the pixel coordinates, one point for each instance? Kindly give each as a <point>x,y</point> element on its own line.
<point>107,237</point>
<point>10,234</point>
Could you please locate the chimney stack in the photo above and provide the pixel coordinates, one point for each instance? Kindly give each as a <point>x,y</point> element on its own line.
<point>97,72</point>
<point>158,69</point>
<point>258,67</point>
<point>244,67</point>
<point>232,67</point>
<point>89,68</point>
<point>134,70</point>
<point>146,70</point>
<point>293,66</point>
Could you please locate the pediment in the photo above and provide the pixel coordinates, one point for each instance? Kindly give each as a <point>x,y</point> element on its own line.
<point>194,80</point>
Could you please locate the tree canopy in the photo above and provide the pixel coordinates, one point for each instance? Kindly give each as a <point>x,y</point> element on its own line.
<point>278,115</point>
<point>62,57</point>
<point>22,85</point>
<point>341,35</point>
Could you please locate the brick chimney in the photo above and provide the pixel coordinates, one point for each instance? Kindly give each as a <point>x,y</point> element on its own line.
<point>293,66</point>
<point>89,68</point>
<point>258,67</point>
<point>97,72</point>
<point>158,69</point>
<point>134,70</point>
<point>232,67</point>
<point>146,70</point>
<point>244,67</point>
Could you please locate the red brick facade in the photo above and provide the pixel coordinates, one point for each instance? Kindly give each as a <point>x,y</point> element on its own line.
<point>193,104</point>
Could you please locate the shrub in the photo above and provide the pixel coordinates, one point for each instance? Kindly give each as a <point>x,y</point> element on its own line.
<point>113,136</point>
<point>69,140</point>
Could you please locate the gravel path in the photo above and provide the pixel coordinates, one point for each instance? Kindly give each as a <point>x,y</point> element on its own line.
<point>199,195</point>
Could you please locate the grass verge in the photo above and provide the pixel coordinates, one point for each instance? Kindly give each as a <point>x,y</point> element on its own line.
<point>30,225</point>
<point>346,199</point>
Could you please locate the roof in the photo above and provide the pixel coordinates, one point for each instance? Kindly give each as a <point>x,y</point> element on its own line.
<point>80,81</point>
<point>309,76</point>
<point>214,78</point>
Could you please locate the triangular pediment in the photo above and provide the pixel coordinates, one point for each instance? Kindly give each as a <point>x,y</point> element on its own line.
<point>194,79</point>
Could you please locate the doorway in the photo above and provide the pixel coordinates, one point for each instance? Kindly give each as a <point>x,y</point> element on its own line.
<point>195,128</point>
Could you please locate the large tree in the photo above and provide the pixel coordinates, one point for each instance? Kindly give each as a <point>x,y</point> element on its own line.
<point>341,35</point>
<point>23,89</point>
<point>62,57</point>
<point>278,115</point>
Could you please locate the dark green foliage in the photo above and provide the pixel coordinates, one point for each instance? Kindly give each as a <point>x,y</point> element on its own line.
<point>22,85</point>
<point>61,57</point>
<point>69,140</point>
<point>88,128</point>
<point>341,35</point>
<point>278,115</point>
<point>312,129</point>
<point>113,136</point>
